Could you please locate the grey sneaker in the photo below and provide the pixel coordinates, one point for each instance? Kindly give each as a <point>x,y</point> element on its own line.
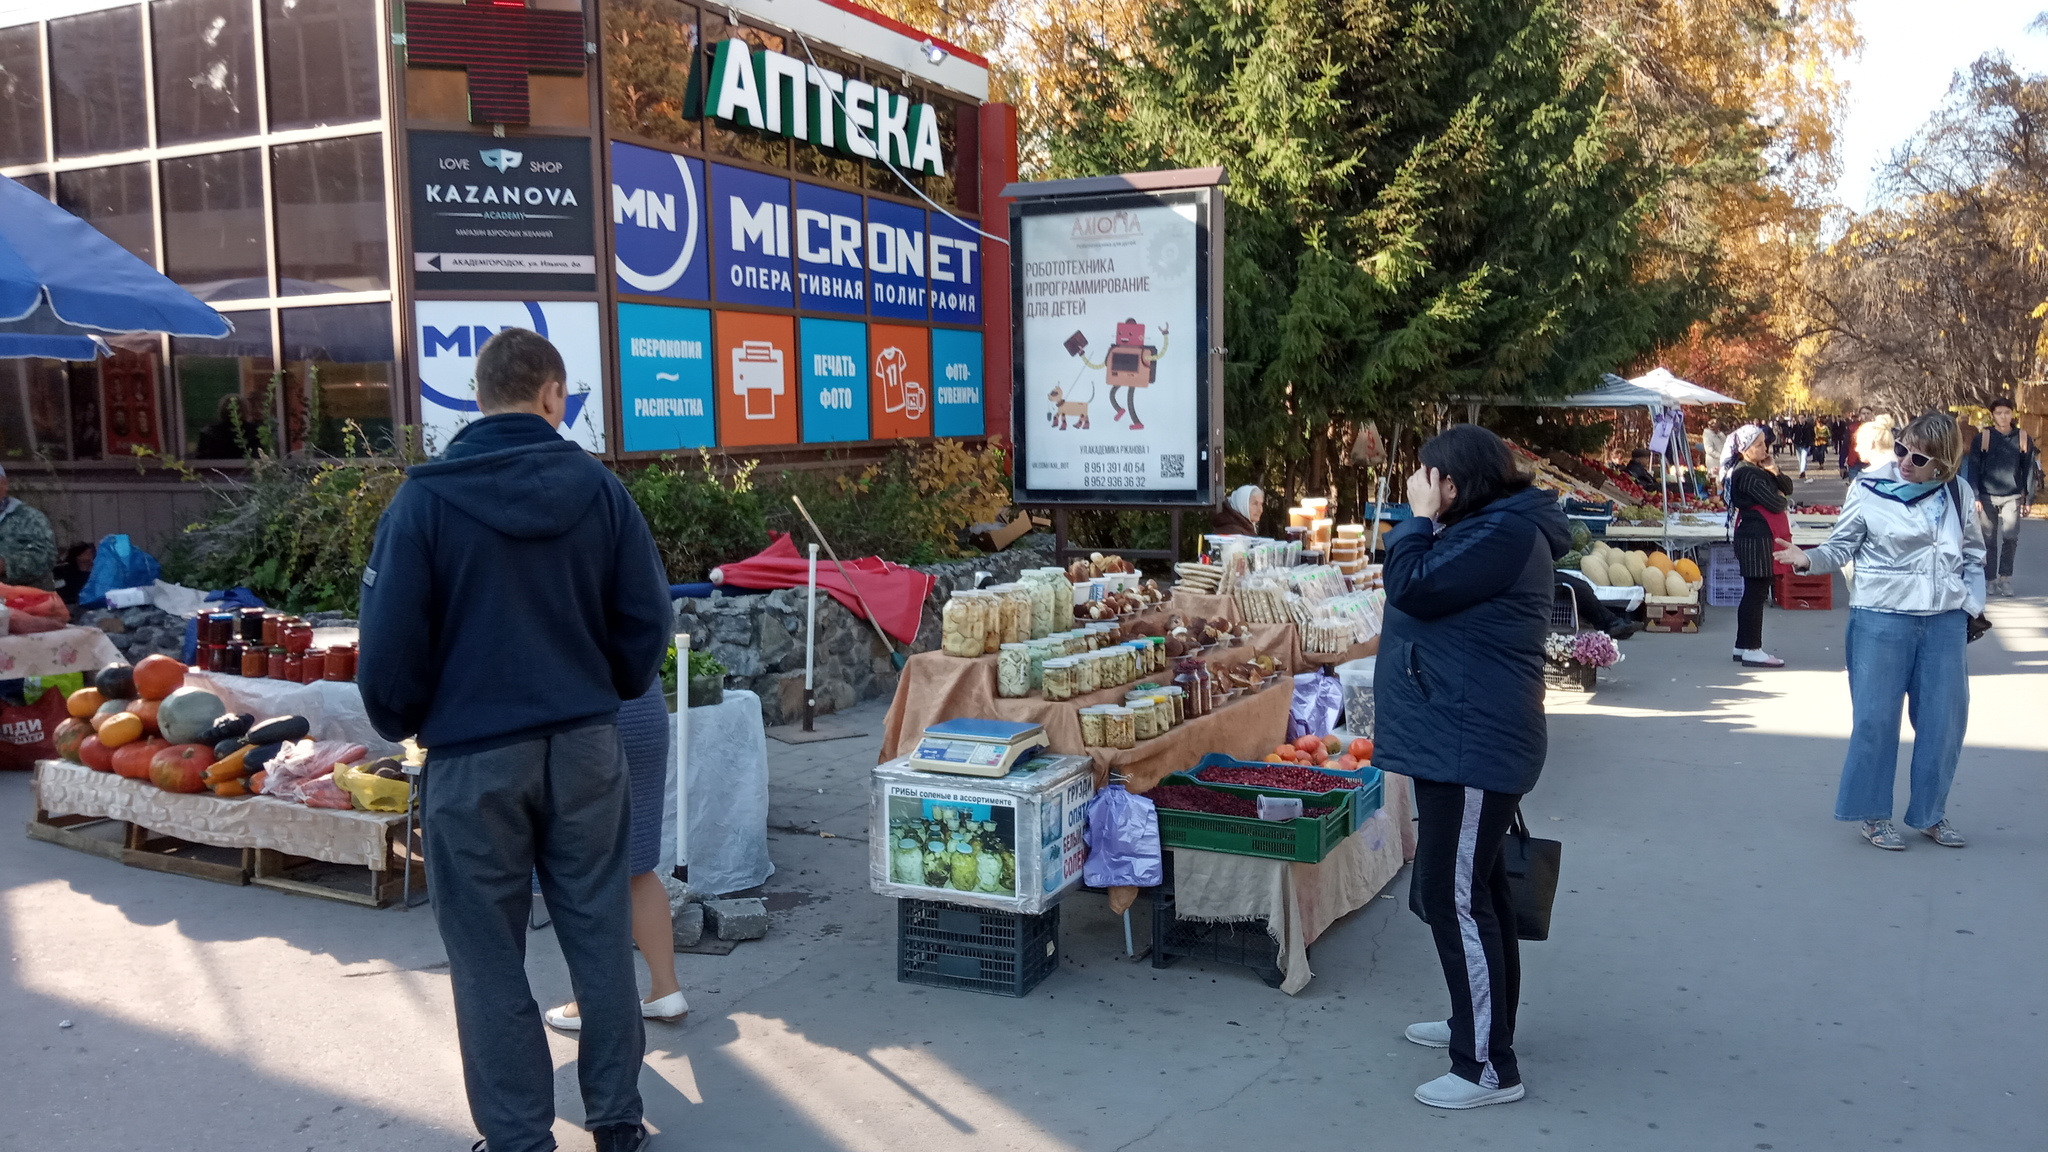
<point>1944,834</point>
<point>1884,834</point>
<point>1430,1033</point>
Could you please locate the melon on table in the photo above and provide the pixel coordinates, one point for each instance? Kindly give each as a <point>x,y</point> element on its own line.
<point>1595,569</point>
<point>1660,561</point>
<point>187,712</point>
<point>1652,580</point>
<point>1619,576</point>
<point>1686,569</point>
<point>1635,561</point>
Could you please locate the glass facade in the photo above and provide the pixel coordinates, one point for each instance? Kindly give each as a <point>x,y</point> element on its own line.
<point>288,238</point>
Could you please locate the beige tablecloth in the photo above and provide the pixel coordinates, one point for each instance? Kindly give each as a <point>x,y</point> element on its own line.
<point>344,837</point>
<point>56,652</point>
<point>1298,901</point>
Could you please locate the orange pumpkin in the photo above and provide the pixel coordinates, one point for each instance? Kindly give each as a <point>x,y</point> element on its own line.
<point>120,729</point>
<point>132,759</point>
<point>145,710</point>
<point>108,709</point>
<point>84,702</point>
<point>69,735</point>
<point>180,767</point>
<point>95,755</point>
<point>158,676</point>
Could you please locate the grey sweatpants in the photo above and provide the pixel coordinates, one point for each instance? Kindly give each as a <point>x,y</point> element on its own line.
<point>559,807</point>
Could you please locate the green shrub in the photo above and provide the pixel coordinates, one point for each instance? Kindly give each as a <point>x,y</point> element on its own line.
<point>913,506</point>
<point>699,520</point>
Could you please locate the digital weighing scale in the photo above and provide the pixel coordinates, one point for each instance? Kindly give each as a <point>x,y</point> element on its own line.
<point>976,747</point>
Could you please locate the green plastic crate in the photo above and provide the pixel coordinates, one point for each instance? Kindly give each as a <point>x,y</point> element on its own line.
<point>1366,799</point>
<point>1304,839</point>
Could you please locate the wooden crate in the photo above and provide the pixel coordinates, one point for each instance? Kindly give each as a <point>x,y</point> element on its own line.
<point>95,835</point>
<point>1673,613</point>
<point>348,883</point>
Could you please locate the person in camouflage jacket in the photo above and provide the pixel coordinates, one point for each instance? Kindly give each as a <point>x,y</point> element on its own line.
<point>28,548</point>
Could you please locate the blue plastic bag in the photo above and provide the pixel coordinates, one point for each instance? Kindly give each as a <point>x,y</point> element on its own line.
<point>118,564</point>
<point>1123,841</point>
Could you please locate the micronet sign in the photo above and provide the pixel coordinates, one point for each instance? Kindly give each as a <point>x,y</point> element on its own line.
<point>502,213</point>
<point>1112,300</point>
<point>658,223</point>
<point>750,230</point>
<point>450,333</point>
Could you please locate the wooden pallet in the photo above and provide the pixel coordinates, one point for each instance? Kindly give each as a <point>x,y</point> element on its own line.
<point>137,847</point>
<point>348,883</point>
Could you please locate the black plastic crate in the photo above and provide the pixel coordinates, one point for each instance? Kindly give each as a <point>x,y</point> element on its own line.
<point>976,949</point>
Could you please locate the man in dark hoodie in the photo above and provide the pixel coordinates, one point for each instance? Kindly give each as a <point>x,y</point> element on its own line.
<point>1460,689</point>
<point>514,597</point>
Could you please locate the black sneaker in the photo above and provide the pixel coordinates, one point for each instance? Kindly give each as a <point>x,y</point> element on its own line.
<point>620,1138</point>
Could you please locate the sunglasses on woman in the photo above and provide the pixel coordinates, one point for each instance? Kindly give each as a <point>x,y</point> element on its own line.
<point>1919,459</point>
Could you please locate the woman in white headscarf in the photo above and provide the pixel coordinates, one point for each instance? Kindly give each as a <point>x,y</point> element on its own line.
<point>1240,513</point>
<point>1759,496</point>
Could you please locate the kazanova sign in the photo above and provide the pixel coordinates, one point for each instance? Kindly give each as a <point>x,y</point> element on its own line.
<point>771,92</point>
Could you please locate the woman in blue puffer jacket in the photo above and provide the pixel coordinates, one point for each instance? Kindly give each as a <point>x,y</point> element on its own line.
<point>1460,710</point>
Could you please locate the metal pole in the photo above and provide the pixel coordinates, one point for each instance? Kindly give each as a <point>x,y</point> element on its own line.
<point>811,643</point>
<point>682,744</point>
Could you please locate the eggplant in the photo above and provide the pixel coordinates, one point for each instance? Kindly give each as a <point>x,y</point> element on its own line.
<point>226,748</point>
<point>228,727</point>
<point>279,729</point>
<point>259,758</point>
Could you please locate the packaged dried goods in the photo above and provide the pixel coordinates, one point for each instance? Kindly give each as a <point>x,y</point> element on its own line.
<point>1013,670</point>
<point>1177,699</point>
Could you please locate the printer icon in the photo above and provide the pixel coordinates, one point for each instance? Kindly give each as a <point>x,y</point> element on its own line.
<point>758,378</point>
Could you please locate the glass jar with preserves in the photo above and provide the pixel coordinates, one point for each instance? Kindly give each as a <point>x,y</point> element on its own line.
<point>960,625</point>
<point>1013,670</point>
<point>1013,603</point>
<point>249,626</point>
<point>1058,683</point>
<point>277,659</point>
<point>270,630</point>
<point>1177,700</point>
<point>298,637</point>
<point>1041,651</point>
<point>1092,733</point>
<point>1084,673</point>
<point>1119,727</point>
<point>255,661</point>
<point>295,667</point>
<point>1042,603</point>
<point>341,661</point>
<point>1144,716</point>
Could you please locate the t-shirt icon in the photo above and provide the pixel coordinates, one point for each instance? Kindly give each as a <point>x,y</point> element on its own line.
<point>757,377</point>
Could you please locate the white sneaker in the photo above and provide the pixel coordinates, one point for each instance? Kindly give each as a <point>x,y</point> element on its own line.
<point>1451,1090</point>
<point>670,1008</point>
<point>1430,1033</point>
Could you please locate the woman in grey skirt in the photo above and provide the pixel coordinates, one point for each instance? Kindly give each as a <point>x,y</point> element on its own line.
<point>643,732</point>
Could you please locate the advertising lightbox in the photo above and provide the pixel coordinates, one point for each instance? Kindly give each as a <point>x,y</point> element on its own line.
<point>449,334</point>
<point>659,246</point>
<point>665,379</point>
<point>835,356</point>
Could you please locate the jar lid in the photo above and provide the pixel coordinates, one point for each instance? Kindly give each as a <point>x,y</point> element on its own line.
<point>1062,662</point>
<point>1174,690</point>
<point>1015,646</point>
<point>1114,710</point>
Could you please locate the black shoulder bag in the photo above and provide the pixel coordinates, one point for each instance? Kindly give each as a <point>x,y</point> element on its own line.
<point>1976,626</point>
<point>1532,878</point>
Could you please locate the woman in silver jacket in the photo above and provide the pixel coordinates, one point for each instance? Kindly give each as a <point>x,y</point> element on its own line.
<point>1919,558</point>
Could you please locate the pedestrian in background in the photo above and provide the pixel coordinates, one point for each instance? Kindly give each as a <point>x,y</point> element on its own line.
<point>643,732</point>
<point>1802,442</point>
<point>1759,495</point>
<point>1873,441</point>
<point>2003,465</point>
<point>1712,440</point>
<point>1919,559</point>
<point>1460,675</point>
<point>512,600</point>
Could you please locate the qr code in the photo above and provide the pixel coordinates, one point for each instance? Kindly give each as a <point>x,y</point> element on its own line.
<point>1174,467</point>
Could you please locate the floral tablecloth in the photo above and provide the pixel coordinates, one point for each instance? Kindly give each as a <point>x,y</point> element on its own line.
<point>55,653</point>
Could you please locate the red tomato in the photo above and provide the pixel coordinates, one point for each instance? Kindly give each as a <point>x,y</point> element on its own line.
<point>1308,743</point>
<point>1361,750</point>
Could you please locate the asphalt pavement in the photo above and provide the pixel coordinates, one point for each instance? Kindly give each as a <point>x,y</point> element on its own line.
<point>1729,969</point>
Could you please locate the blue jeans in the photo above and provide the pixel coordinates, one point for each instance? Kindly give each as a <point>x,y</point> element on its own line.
<point>1895,657</point>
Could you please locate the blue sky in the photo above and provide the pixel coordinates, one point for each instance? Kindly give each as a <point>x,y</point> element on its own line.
<point>1911,50</point>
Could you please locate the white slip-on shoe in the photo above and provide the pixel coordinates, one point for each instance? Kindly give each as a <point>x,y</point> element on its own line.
<point>670,1008</point>
<point>1451,1090</point>
<point>560,1018</point>
<point>1430,1033</point>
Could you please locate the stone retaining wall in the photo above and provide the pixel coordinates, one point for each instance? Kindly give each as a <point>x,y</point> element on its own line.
<point>761,637</point>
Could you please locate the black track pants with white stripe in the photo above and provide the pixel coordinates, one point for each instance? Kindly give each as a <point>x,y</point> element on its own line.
<point>1460,887</point>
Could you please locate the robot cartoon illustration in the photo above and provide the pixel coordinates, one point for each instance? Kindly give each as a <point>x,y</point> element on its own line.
<point>1131,364</point>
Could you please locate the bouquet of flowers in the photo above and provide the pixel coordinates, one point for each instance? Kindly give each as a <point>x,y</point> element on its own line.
<point>1594,649</point>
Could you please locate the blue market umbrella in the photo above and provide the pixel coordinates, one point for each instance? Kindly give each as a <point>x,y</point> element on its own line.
<point>62,284</point>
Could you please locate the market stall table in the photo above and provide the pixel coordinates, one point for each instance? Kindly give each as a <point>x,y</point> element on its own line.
<point>334,708</point>
<point>56,652</point>
<point>266,830</point>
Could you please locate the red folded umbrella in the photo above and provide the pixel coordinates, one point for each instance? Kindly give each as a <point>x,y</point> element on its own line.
<point>896,593</point>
